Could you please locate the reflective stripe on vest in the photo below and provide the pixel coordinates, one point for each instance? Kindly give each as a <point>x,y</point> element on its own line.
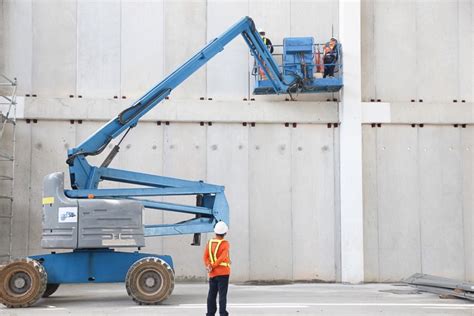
<point>213,256</point>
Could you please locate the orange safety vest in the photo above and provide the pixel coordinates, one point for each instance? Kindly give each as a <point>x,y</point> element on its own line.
<point>262,74</point>
<point>213,255</point>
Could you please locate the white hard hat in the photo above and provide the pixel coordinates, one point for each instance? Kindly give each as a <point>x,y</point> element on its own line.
<point>221,228</point>
<point>261,31</point>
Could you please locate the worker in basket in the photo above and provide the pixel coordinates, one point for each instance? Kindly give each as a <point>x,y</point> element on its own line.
<point>269,44</point>
<point>217,261</point>
<point>330,58</point>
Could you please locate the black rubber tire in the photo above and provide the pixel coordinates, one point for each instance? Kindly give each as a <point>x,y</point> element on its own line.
<point>32,279</point>
<point>50,289</point>
<point>154,270</point>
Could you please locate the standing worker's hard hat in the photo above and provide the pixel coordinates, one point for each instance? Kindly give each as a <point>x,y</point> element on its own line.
<point>261,31</point>
<point>221,228</point>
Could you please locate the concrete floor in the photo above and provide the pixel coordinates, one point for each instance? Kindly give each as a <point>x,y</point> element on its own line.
<point>295,299</point>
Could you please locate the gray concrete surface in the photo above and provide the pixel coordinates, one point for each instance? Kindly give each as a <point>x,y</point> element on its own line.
<point>236,111</point>
<point>268,162</point>
<point>6,170</point>
<point>407,51</point>
<point>418,201</point>
<point>417,204</point>
<point>404,43</point>
<point>2,38</point>
<point>295,299</point>
<point>54,59</point>
<point>417,182</point>
<point>105,49</point>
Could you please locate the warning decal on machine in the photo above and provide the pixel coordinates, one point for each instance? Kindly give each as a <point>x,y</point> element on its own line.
<point>48,200</point>
<point>67,215</point>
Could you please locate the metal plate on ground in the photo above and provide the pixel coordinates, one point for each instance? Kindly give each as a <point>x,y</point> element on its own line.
<point>442,286</point>
<point>436,281</point>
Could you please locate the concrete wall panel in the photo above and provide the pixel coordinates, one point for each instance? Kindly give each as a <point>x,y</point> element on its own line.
<point>84,131</point>
<point>371,216</point>
<point>368,49</point>
<point>465,56</point>
<point>291,176</point>
<point>2,36</point>
<point>314,18</point>
<point>227,164</point>
<point>98,48</point>
<point>185,35</point>
<point>437,50</point>
<point>418,201</point>
<point>18,42</point>
<point>6,170</point>
<point>6,167</point>
<point>235,57</point>
<point>417,204</point>
<point>466,149</point>
<point>5,240</point>
<point>54,47</point>
<point>142,42</point>
<point>417,50</point>
<point>337,204</point>
<point>274,18</point>
<point>142,151</point>
<point>395,49</point>
<point>50,141</point>
<point>313,202</point>
<point>21,193</point>
<point>319,19</point>
<point>441,201</point>
<point>270,202</point>
<point>398,196</point>
<point>184,156</point>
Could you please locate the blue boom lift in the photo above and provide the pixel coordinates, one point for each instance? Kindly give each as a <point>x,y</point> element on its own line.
<point>93,221</point>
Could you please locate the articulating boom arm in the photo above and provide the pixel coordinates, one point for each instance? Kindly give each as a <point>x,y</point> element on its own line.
<point>211,202</point>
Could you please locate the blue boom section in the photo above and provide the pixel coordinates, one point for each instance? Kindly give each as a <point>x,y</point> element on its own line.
<point>212,205</point>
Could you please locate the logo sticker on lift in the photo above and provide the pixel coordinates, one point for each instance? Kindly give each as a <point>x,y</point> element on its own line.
<point>67,215</point>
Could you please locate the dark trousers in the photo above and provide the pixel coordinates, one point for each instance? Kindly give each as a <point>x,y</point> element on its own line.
<point>218,284</point>
<point>329,71</point>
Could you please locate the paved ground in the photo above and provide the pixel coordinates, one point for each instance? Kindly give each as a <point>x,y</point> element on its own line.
<point>295,299</point>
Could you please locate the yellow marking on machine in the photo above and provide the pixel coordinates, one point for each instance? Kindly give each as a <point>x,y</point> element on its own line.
<point>48,200</point>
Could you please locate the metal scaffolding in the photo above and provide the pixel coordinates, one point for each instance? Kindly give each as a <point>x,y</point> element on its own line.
<point>7,162</point>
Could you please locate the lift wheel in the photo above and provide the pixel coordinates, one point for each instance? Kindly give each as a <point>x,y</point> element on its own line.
<point>149,281</point>
<point>22,283</point>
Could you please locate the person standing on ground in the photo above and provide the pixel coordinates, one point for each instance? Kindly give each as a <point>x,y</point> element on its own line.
<point>217,261</point>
